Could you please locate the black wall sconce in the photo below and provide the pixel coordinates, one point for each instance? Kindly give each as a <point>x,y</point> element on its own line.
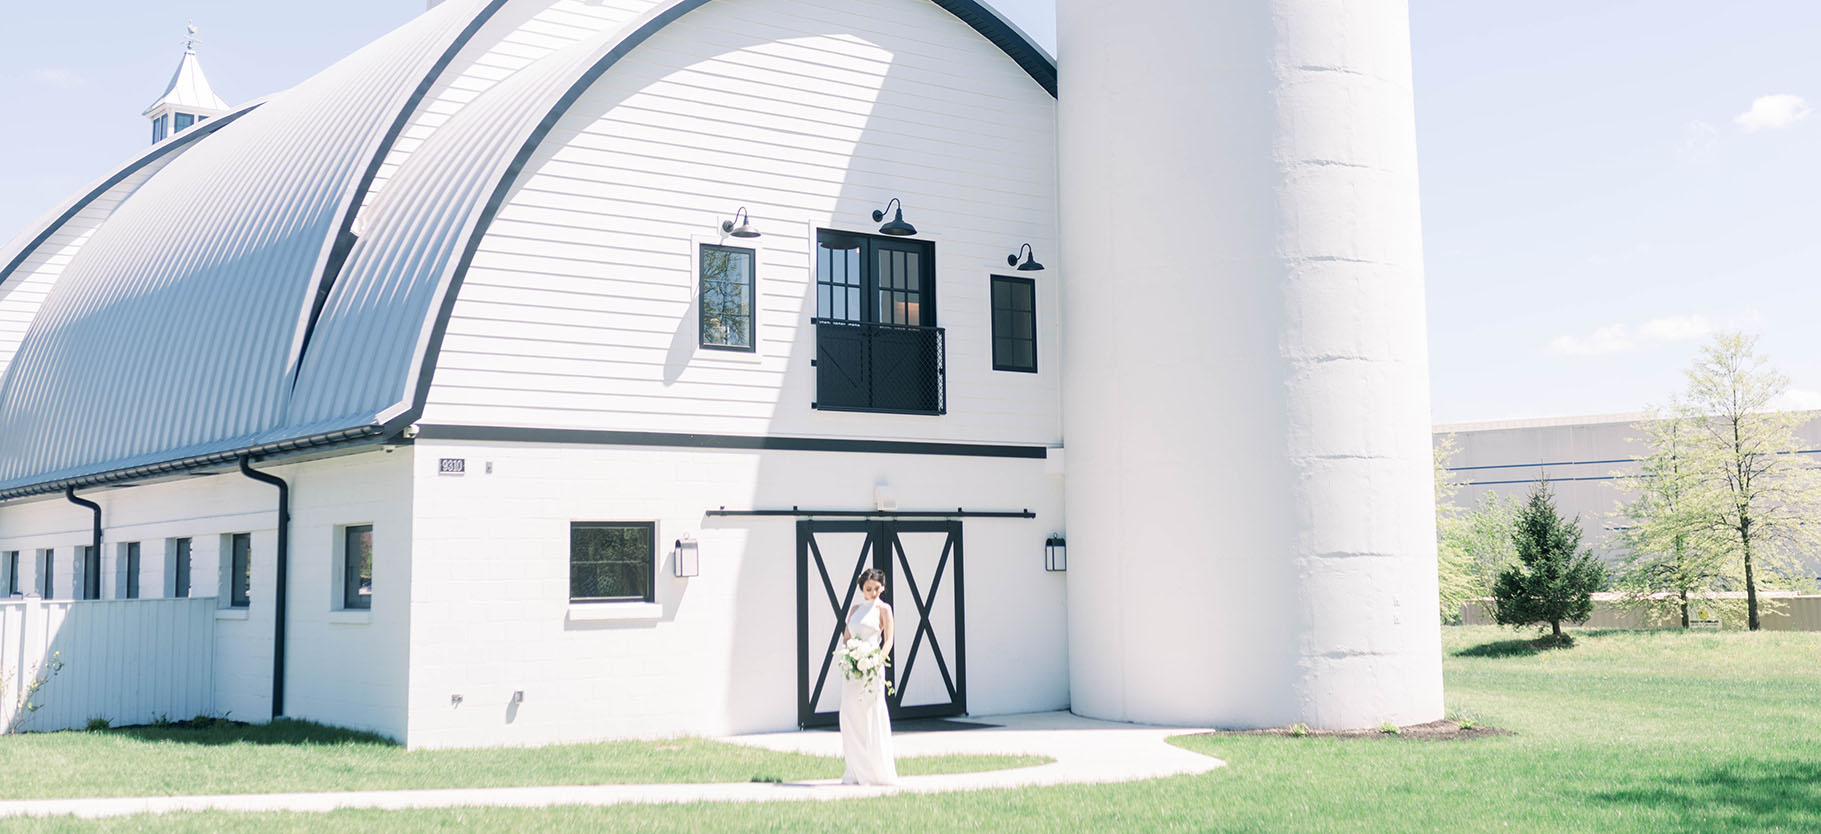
<point>897,227</point>
<point>1056,554</point>
<point>1030,260</point>
<point>742,230</point>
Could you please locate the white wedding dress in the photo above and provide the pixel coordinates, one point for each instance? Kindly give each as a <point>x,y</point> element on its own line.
<point>866,725</point>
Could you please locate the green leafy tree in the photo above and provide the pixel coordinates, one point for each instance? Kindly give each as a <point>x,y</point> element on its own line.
<point>1472,544</point>
<point>1765,492</point>
<point>1555,578</point>
<point>1454,585</point>
<point>1673,554</point>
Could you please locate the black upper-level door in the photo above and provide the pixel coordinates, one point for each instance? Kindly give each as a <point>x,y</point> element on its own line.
<point>879,280</point>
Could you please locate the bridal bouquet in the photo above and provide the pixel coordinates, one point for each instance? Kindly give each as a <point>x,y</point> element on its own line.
<point>865,662</point>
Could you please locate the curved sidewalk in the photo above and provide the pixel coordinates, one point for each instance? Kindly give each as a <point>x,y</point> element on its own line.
<point>1084,750</point>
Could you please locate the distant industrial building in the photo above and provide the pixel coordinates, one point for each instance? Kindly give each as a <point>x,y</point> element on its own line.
<point>1582,457</point>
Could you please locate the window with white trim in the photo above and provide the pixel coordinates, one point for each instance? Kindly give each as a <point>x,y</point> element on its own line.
<point>611,561</point>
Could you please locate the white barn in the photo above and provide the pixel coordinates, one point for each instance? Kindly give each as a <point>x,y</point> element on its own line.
<point>545,370</point>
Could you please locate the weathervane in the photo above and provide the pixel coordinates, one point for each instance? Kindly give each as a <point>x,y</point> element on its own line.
<point>189,43</point>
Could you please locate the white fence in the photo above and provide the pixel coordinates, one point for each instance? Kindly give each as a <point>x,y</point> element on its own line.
<point>129,661</point>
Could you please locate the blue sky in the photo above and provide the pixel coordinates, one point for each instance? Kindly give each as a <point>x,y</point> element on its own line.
<point>1603,182</point>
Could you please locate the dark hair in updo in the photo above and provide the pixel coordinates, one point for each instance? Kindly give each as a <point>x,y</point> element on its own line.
<point>872,575</point>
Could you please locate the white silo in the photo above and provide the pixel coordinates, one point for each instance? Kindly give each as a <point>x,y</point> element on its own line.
<point>1246,406</point>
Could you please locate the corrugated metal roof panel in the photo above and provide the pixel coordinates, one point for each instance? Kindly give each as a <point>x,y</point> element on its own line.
<point>175,328</point>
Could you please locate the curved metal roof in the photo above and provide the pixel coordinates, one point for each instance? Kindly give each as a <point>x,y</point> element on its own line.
<point>173,332</point>
<point>214,313</point>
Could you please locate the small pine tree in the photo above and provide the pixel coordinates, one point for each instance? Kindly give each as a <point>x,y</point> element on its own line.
<point>1555,578</point>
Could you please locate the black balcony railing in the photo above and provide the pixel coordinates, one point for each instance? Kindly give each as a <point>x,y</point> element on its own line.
<point>862,366</point>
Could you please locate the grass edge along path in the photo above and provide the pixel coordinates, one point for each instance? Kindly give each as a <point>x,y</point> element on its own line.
<point>1622,732</point>
<point>290,756</point>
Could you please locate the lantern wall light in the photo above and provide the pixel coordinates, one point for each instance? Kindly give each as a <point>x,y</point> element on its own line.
<point>1056,554</point>
<point>688,560</point>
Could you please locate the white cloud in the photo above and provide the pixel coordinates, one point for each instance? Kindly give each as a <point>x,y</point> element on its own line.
<point>1675,329</point>
<point>1698,140</point>
<point>59,77</point>
<point>1773,112</point>
<point>1622,338</point>
<point>1613,338</point>
<point>1798,399</point>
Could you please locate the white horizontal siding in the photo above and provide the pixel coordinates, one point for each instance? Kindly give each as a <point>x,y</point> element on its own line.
<point>578,308</point>
<point>516,37</point>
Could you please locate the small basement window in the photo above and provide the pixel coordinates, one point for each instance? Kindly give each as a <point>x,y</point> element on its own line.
<point>611,561</point>
<point>727,298</point>
<point>1014,324</point>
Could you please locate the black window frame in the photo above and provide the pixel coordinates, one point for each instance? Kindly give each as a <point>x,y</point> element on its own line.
<point>870,245</point>
<point>11,558</point>
<point>180,569</point>
<point>47,572</point>
<point>351,598</point>
<point>995,310</point>
<point>649,560</point>
<point>132,571</point>
<point>240,570</point>
<point>752,300</point>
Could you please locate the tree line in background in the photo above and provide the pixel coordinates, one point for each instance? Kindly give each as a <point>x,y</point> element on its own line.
<point>1721,503</point>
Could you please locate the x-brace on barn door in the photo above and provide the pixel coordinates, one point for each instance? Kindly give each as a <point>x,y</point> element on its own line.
<point>922,562</point>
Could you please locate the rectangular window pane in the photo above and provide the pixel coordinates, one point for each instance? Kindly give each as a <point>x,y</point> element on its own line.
<point>91,571</point>
<point>181,585</point>
<point>1014,324</point>
<point>240,571</point>
<point>839,278</point>
<point>132,570</point>
<point>47,567</point>
<point>12,572</point>
<point>726,297</point>
<point>357,573</point>
<point>611,561</point>
<point>185,120</point>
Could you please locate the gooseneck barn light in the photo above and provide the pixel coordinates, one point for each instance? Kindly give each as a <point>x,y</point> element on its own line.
<point>1030,260</point>
<point>897,227</point>
<point>744,229</point>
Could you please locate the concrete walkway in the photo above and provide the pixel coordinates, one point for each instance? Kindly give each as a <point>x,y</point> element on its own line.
<point>1084,750</point>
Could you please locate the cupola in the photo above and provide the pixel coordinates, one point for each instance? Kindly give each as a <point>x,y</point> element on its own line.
<point>188,99</point>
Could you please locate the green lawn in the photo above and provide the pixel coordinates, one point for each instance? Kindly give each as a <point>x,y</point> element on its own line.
<point>291,756</point>
<point>1624,732</point>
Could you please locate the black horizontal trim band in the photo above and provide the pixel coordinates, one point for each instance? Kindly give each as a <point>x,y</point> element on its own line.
<point>1534,480</point>
<point>724,441</point>
<point>1552,463</point>
<point>1575,463</point>
<point>793,511</point>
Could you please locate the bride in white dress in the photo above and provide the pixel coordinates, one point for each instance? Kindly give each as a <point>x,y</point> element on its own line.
<point>866,725</point>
